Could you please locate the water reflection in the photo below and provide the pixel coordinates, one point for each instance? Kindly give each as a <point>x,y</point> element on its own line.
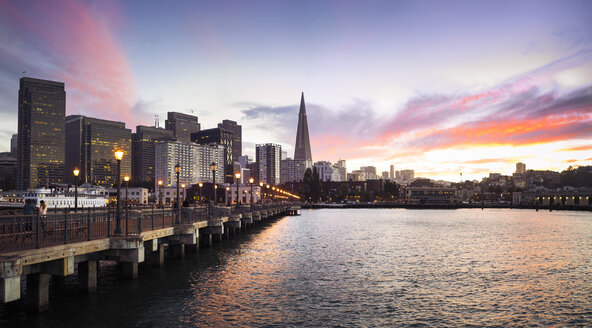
<point>360,268</point>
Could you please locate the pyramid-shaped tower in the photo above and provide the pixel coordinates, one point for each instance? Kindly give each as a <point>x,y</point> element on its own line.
<point>302,150</point>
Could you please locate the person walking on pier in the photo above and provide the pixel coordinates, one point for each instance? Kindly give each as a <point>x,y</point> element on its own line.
<point>42,208</point>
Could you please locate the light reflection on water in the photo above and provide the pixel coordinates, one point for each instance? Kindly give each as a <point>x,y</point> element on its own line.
<point>364,267</point>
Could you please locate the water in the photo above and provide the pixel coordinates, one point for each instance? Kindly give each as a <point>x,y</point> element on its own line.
<point>352,268</point>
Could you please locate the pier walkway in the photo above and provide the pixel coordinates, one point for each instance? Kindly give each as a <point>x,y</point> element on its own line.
<point>37,247</point>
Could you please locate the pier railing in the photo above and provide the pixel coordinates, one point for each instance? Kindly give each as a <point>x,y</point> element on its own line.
<point>19,232</point>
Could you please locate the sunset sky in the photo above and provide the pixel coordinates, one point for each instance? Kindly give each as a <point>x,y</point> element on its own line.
<point>441,87</point>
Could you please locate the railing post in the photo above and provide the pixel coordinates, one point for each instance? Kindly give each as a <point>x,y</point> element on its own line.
<point>152,219</point>
<point>66,228</point>
<point>108,223</point>
<point>38,233</point>
<point>163,216</point>
<point>140,223</point>
<point>126,221</point>
<point>88,225</point>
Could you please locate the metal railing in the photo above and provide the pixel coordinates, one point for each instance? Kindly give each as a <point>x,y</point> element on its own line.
<point>18,232</point>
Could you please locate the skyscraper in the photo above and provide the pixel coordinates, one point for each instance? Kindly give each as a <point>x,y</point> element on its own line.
<point>143,154</point>
<point>268,160</point>
<point>182,125</point>
<point>392,173</point>
<point>222,137</point>
<point>302,150</point>
<point>90,146</point>
<point>41,135</point>
<point>237,133</point>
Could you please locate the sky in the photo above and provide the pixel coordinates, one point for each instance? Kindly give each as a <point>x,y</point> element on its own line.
<point>440,87</point>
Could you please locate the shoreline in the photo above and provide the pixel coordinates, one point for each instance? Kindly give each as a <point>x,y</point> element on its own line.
<point>450,206</point>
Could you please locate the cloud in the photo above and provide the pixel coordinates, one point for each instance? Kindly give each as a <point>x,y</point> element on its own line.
<point>579,148</point>
<point>70,42</point>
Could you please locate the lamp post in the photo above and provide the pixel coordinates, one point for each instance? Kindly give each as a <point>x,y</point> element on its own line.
<point>126,179</point>
<point>177,171</point>
<point>159,193</point>
<point>261,192</point>
<point>251,180</point>
<point>213,167</point>
<point>237,175</point>
<point>118,157</point>
<point>76,172</point>
<point>200,185</point>
<point>267,193</point>
<point>183,192</point>
<point>228,194</point>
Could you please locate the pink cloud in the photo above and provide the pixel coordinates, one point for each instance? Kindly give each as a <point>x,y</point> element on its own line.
<point>82,52</point>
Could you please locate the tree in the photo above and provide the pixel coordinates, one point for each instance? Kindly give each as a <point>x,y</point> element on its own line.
<point>307,184</point>
<point>316,187</point>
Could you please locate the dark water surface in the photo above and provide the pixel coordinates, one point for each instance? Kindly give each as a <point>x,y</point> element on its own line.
<point>352,268</point>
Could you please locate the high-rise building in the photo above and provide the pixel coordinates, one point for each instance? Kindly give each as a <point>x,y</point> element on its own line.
<point>370,172</point>
<point>385,175</point>
<point>41,133</point>
<point>268,158</point>
<point>341,169</point>
<point>218,136</point>
<point>325,170</point>
<point>392,173</point>
<point>143,152</point>
<point>520,168</point>
<point>193,158</point>
<point>237,134</point>
<point>13,144</point>
<point>182,125</point>
<point>292,170</point>
<point>90,146</point>
<point>302,150</point>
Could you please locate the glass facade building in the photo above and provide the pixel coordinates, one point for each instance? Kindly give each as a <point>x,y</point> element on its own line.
<point>41,133</point>
<point>143,152</point>
<point>182,125</point>
<point>90,146</point>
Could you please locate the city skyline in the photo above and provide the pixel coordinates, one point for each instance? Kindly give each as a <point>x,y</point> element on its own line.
<point>438,88</point>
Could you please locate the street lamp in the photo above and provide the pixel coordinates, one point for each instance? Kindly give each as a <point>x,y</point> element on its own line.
<point>177,171</point>
<point>200,185</point>
<point>118,157</point>
<point>213,167</point>
<point>228,194</point>
<point>261,192</point>
<point>76,172</point>
<point>183,192</point>
<point>237,175</point>
<point>126,179</point>
<point>251,180</point>
<point>159,193</point>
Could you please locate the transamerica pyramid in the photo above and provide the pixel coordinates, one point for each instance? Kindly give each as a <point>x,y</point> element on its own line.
<point>302,150</point>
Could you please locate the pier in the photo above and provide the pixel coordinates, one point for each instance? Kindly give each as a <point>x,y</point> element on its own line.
<point>37,247</point>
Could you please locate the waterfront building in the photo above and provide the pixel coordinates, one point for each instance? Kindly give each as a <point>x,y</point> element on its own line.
<point>135,195</point>
<point>520,168</point>
<point>430,195</point>
<point>302,151</point>
<point>90,144</point>
<point>182,125</point>
<point>325,170</point>
<point>222,137</point>
<point>268,159</point>
<point>41,134</point>
<point>193,158</point>
<point>244,194</point>
<point>292,170</point>
<point>580,197</point>
<point>143,151</point>
<point>237,132</point>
